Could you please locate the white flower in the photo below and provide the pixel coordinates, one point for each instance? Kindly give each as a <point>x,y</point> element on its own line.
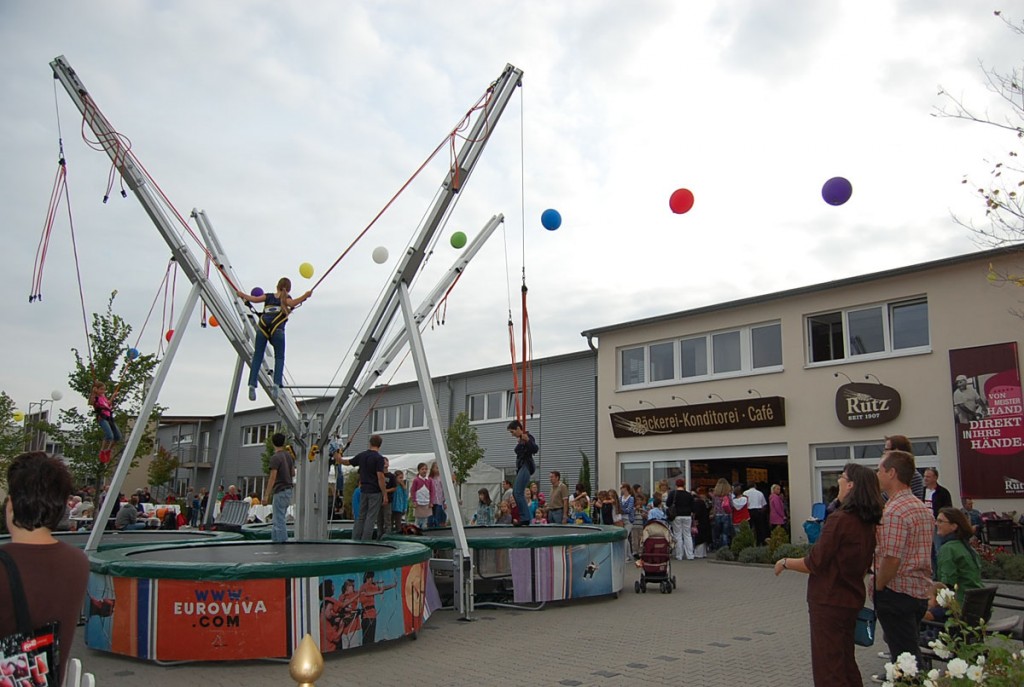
<point>934,674</point>
<point>930,683</point>
<point>981,660</point>
<point>975,673</point>
<point>907,663</point>
<point>944,597</point>
<point>891,673</point>
<point>957,668</point>
<point>940,649</point>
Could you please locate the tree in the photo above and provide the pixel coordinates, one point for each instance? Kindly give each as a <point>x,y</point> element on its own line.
<point>463,448</point>
<point>162,468</point>
<point>1001,194</point>
<point>12,436</point>
<point>585,472</point>
<point>126,380</point>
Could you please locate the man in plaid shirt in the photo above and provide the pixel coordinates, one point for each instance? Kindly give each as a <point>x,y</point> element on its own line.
<point>902,557</point>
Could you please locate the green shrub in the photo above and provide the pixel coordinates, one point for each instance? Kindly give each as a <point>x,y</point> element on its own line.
<point>788,551</point>
<point>724,554</point>
<point>1013,568</point>
<point>744,538</point>
<point>990,570</point>
<point>754,554</point>
<point>777,539</point>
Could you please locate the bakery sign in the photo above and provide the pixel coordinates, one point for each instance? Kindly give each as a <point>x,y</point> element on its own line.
<point>860,404</point>
<point>706,417</point>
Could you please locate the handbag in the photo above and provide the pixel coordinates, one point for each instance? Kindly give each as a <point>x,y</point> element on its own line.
<point>32,655</point>
<point>864,631</point>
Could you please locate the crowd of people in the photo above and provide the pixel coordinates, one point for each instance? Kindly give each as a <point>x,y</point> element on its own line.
<point>915,544</point>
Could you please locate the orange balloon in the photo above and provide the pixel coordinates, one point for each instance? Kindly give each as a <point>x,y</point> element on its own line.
<point>213,321</point>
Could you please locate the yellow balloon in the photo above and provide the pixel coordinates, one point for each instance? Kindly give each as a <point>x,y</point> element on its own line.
<point>306,270</point>
<point>18,416</point>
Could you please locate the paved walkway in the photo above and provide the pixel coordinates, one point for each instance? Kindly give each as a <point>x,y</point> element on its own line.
<point>725,625</point>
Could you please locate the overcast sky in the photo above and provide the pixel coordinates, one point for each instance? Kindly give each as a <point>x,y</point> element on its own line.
<point>292,124</point>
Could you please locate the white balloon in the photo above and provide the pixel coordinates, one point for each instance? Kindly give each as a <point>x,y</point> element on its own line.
<point>380,255</point>
<point>56,395</point>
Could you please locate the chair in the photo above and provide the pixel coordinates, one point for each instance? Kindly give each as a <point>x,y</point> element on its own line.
<point>976,610</point>
<point>1000,533</point>
<point>818,511</point>
<point>232,517</point>
<point>1012,626</point>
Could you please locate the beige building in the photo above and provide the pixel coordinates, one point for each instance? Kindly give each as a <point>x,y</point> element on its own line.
<point>787,387</point>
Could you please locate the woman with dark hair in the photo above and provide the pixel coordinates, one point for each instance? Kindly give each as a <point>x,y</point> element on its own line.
<point>958,564</point>
<point>837,564</point>
<point>53,574</point>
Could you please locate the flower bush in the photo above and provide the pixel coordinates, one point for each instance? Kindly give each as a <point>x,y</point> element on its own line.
<point>972,657</point>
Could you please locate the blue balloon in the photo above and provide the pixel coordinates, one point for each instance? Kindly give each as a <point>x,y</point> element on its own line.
<point>133,353</point>
<point>256,292</point>
<point>551,219</point>
<point>836,191</point>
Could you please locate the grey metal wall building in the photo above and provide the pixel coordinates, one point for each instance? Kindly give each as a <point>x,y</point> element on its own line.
<point>562,420</point>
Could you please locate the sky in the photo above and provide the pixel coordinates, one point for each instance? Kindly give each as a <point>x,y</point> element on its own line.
<point>292,124</point>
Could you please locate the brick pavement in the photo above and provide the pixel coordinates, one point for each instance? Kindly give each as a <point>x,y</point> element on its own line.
<point>724,625</point>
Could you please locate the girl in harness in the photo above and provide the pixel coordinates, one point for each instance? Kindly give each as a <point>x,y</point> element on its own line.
<point>270,327</point>
<point>105,417</point>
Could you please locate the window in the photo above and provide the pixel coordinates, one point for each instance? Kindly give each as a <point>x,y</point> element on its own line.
<point>829,460</point>
<point>877,330</point>
<point>694,353</point>
<point>395,418</point>
<point>747,350</point>
<point>256,435</point>
<point>633,366</point>
<point>493,405</point>
<point>182,438</point>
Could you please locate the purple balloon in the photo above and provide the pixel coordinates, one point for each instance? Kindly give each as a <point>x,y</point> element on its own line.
<point>256,292</point>
<point>836,191</point>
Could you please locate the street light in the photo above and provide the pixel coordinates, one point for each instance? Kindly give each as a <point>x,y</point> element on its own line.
<point>39,438</point>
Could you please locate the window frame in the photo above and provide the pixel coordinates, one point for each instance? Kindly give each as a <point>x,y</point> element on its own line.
<point>888,311</point>
<point>403,416</point>
<point>262,431</point>
<point>746,357</point>
<point>506,404</point>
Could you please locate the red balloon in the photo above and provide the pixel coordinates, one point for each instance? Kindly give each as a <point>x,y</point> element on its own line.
<point>681,201</point>
<point>169,334</point>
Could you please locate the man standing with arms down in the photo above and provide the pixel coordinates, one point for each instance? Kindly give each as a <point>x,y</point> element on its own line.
<point>281,484</point>
<point>372,488</point>
<point>681,500</point>
<point>903,556</point>
<point>757,504</point>
<point>558,500</point>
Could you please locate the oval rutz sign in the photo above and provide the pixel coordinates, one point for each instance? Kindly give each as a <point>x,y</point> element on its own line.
<point>863,405</point>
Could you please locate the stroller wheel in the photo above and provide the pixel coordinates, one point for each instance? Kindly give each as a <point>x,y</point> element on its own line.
<point>636,587</point>
<point>664,587</point>
<point>643,588</point>
<point>673,581</point>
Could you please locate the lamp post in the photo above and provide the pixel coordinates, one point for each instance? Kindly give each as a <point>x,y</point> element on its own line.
<point>34,417</point>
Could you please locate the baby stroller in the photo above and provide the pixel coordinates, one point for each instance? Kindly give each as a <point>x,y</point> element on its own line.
<point>655,558</point>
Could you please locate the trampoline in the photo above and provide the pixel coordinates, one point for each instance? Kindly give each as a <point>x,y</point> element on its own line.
<point>125,538</point>
<point>252,600</point>
<point>542,562</point>
<point>260,531</point>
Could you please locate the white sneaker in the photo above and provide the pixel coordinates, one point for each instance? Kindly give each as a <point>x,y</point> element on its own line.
<point>252,393</point>
<point>883,654</point>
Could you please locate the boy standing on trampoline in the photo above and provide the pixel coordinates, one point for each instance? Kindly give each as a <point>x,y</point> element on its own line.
<point>526,449</point>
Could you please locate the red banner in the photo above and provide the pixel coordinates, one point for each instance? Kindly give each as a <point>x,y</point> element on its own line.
<point>989,416</point>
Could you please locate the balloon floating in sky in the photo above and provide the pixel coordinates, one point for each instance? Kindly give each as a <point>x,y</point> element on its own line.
<point>213,321</point>
<point>681,200</point>
<point>56,395</point>
<point>18,416</point>
<point>133,353</point>
<point>256,292</point>
<point>458,239</point>
<point>551,219</point>
<point>836,191</point>
<point>306,270</point>
<point>380,255</point>
<point>168,335</point>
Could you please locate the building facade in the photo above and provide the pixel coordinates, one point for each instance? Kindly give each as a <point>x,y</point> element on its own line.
<point>560,414</point>
<point>786,388</point>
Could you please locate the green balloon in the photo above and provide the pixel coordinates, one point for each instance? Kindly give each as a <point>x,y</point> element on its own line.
<point>458,239</point>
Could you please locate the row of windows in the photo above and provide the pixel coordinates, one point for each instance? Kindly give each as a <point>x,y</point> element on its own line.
<point>393,418</point>
<point>727,353</point>
<point>256,435</point>
<point>875,331</point>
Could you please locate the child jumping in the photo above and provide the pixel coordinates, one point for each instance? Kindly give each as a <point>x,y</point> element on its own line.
<point>105,417</point>
<point>270,327</point>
